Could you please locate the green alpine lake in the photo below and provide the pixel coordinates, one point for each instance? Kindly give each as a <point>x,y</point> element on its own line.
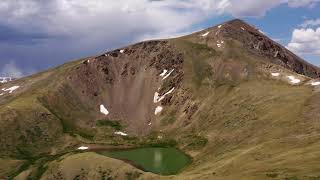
<point>163,161</point>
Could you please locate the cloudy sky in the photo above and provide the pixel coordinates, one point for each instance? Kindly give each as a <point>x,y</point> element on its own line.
<point>36,35</point>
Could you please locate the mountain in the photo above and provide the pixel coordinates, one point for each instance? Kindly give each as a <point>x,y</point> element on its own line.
<point>241,105</point>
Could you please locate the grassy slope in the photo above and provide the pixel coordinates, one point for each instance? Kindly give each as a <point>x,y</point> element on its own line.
<point>255,126</point>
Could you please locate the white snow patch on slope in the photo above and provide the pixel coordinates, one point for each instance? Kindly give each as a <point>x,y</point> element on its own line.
<point>165,77</point>
<point>243,28</point>
<point>158,110</point>
<point>13,88</point>
<point>205,34</point>
<point>315,83</point>
<point>122,51</point>
<point>293,80</point>
<point>219,45</point>
<point>156,97</point>
<point>1,94</point>
<point>103,109</point>
<point>5,79</point>
<point>121,133</point>
<point>164,72</point>
<point>275,74</point>
<point>219,26</point>
<point>83,148</point>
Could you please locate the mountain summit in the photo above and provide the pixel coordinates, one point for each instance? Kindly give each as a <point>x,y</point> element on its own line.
<point>255,41</point>
<point>241,105</point>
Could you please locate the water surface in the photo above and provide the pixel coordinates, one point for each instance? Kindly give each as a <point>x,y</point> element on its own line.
<point>164,161</point>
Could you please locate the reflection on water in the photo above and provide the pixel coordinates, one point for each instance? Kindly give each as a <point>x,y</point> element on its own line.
<point>157,159</point>
<point>164,161</point>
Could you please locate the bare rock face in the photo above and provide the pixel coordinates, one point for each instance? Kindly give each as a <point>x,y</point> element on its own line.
<point>256,42</point>
<point>124,81</point>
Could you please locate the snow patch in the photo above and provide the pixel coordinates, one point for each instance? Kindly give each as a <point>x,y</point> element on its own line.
<point>205,34</point>
<point>149,124</point>
<point>122,51</point>
<point>5,79</point>
<point>315,83</point>
<point>158,110</point>
<point>293,80</point>
<point>13,88</point>
<point>1,94</point>
<point>275,74</point>
<point>165,77</point>
<point>219,45</point>
<point>219,26</point>
<point>83,148</point>
<point>164,72</point>
<point>156,97</point>
<point>261,32</point>
<point>243,28</point>
<point>120,133</point>
<point>103,109</point>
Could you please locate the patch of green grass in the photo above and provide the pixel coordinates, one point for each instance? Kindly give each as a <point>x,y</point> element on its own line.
<point>22,168</point>
<point>198,71</point>
<point>165,142</point>
<point>67,125</point>
<point>194,142</point>
<point>114,124</point>
<point>197,142</point>
<point>202,71</point>
<point>133,175</point>
<point>272,175</point>
<point>291,178</point>
<point>198,47</point>
<point>39,172</point>
<point>37,161</point>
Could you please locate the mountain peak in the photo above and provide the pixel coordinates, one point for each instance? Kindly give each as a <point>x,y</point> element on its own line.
<point>256,42</point>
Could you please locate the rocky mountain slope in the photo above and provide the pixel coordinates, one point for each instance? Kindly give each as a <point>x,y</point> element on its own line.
<point>241,105</point>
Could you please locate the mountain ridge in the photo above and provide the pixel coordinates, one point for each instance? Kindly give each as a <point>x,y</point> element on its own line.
<point>236,110</point>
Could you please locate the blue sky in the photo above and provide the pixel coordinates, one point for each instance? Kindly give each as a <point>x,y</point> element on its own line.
<point>37,35</point>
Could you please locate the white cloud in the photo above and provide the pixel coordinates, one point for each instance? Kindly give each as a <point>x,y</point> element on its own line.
<point>254,8</point>
<point>116,19</point>
<point>301,3</point>
<point>305,41</point>
<point>310,23</point>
